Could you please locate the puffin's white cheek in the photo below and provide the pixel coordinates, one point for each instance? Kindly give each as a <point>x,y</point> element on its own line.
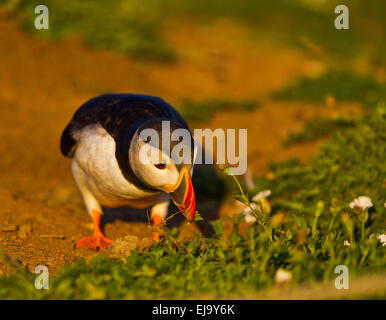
<point>150,155</point>
<point>144,157</point>
<point>156,177</point>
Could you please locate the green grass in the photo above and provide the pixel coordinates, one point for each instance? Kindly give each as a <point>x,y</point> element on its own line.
<point>319,127</point>
<point>204,110</point>
<point>133,27</point>
<point>308,242</point>
<point>287,21</point>
<point>350,165</point>
<point>344,86</point>
<point>123,26</point>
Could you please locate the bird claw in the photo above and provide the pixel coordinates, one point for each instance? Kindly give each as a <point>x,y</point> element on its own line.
<point>94,242</point>
<point>155,236</point>
<point>157,219</point>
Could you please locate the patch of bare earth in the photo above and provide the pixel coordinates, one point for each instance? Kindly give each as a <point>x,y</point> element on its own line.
<point>43,83</point>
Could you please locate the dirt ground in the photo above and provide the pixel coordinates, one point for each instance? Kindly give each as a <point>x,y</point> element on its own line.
<point>43,83</point>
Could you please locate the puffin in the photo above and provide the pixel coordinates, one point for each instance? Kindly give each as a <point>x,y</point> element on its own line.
<point>104,142</point>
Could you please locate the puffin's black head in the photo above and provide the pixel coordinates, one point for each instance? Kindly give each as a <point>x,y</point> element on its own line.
<point>161,155</point>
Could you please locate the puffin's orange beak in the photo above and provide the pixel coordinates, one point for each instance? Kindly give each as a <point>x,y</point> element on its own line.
<point>183,195</point>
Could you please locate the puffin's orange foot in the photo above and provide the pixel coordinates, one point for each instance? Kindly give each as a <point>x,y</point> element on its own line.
<point>155,236</point>
<point>94,242</point>
<point>157,219</point>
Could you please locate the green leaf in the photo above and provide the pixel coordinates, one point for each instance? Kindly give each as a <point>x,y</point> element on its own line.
<point>242,198</point>
<point>218,227</point>
<point>197,217</point>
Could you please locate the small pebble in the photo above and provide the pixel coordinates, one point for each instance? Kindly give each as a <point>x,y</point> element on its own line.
<point>122,247</point>
<point>9,228</point>
<point>22,235</point>
<point>145,244</point>
<point>282,277</point>
<point>25,228</point>
<point>24,231</point>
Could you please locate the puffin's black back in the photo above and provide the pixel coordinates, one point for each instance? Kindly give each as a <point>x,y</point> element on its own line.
<point>115,112</point>
<point>120,115</point>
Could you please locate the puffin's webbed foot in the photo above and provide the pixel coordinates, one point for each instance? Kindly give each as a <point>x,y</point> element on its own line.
<point>97,240</point>
<point>94,242</point>
<point>157,219</point>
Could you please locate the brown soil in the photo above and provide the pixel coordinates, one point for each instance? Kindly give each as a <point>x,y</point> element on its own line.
<point>42,84</point>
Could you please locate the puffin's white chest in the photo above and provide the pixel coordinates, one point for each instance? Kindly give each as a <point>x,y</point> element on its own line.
<point>95,156</point>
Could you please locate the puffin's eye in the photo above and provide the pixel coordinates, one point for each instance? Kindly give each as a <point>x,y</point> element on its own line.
<point>160,166</point>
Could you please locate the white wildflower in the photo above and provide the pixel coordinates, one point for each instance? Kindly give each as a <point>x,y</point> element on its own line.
<point>382,239</point>
<point>362,202</point>
<point>248,177</point>
<point>258,204</point>
<point>261,195</point>
<point>384,204</point>
<point>249,217</point>
<point>283,276</point>
<point>346,243</point>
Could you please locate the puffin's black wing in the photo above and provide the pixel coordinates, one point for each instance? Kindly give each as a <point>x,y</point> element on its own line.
<point>115,112</point>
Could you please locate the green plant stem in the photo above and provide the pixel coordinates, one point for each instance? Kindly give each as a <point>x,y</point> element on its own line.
<point>246,198</point>
<point>314,225</point>
<point>332,222</point>
<point>238,184</point>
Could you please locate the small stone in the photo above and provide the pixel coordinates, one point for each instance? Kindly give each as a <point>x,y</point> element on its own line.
<point>9,228</point>
<point>330,101</point>
<point>131,238</point>
<point>122,247</point>
<point>283,277</point>
<point>25,228</point>
<point>24,231</point>
<point>22,235</point>
<point>13,260</point>
<point>145,245</point>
